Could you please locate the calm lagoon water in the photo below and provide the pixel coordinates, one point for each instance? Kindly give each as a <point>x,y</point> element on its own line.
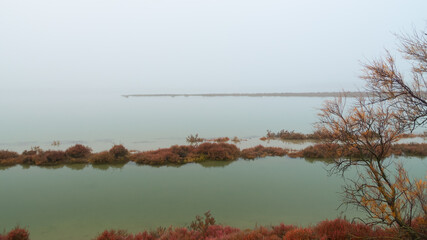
<point>145,123</point>
<point>78,201</point>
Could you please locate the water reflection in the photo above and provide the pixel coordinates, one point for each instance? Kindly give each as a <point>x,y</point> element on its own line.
<point>105,167</point>
<point>204,164</point>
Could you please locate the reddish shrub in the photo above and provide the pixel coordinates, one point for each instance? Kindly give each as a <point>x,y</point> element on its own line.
<point>157,157</point>
<point>218,231</point>
<point>319,151</point>
<point>100,158</point>
<point>18,234</point>
<point>282,229</point>
<point>181,234</point>
<point>174,154</point>
<point>300,234</point>
<point>410,149</point>
<point>119,151</point>
<point>10,161</point>
<point>29,157</point>
<point>218,151</point>
<point>256,234</point>
<point>49,157</point>
<point>420,225</point>
<point>78,151</point>
<point>340,229</point>
<point>261,151</point>
<point>5,154</point>
<point>115,235</point>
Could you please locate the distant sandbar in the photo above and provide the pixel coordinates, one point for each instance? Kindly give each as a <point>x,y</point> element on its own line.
<point>302,94</point>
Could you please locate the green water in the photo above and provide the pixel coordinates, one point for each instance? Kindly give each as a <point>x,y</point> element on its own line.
<point>77,202</point>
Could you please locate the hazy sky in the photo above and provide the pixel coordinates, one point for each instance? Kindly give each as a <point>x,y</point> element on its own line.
<point>189,46</point>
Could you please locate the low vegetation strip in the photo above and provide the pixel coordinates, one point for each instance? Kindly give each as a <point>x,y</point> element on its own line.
<point>207,228</point>
<point>315,136</point>
<point>212,151</point>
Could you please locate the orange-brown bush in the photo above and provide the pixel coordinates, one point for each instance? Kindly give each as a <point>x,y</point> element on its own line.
<point>101,158</point>
<point>410,149</point>
<point>342,229</point>
<point>318,151</point>
<point>183,154</point>
<point>50,157</point>
<point>205,228</point>
<point>326,151</point>
<point>119,151</point>
<point>261,151</point>
<point>174,154</point>
<point>8,158</point>
<point>78,151</point>
<point>218,151</point>
<point>5,154</point>
<point>300,234</point>
<point>17,233</point>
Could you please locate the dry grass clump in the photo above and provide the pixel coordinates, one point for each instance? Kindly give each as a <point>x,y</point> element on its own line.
<point>261,151</point>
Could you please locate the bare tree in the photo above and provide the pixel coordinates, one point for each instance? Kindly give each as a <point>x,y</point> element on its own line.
<point>386,83</point>
<point>367,129</point>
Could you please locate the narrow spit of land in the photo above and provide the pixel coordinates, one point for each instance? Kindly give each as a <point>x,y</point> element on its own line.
<point>289,94</point>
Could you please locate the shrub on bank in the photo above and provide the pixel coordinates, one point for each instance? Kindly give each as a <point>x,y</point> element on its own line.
<point>410,149</point>
<point>16,234</point>
<point>318,151</point>
<point>338,229</point>
<point>157,157</point>
<point>78,151</point>
<point>101,158</point>
<point>8,158</point>
<point>6,154</point>
<point>217,151</point>
<point>261,151</point>
<point>119,151</point>
<point>43,157</point>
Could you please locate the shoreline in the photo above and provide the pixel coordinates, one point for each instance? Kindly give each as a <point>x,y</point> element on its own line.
<point>184,154</point>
